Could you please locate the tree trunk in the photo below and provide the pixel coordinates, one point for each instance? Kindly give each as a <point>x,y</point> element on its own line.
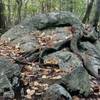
<point>25,8</point>
<point>71,6</point>
<point>42,4</point>
<point>60,5</point>
<point>48,5</point>
<point>2,17</point>
<point>19,3</point>
<point>97,14</point>
<point>9,12</point>
<point>88,11</point>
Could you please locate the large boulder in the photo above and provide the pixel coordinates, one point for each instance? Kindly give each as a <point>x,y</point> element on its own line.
<point>54,19</point>
<point>56,92</point>
<point>20,34</point>
<point>77,82</point>
<point>7,71</point>
<point>92,55</point>
<point>6,88</point>
<point>7,67</point>
<point>65,59</point>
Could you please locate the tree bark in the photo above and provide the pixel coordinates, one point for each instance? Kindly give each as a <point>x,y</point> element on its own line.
<point>25,8</point>
<point>97,15</point>
<point>48,5</point>
<point>2,17</point>
<point>9,12</point>
<point>19,3</point>
<point>71,6</point>
<point>88,11</point>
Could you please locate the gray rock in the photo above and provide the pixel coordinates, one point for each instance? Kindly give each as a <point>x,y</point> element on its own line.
<point>7,67</point>
<point>56,92</point>
<point>92,55</point>
<point>55,19</point>
<point>97,44</point>
<point>27,42</point>
<point>7,70</point>
<point>21,33</point>
<point>6,87</point>
<point>77,81</point>
<point>64,59</point>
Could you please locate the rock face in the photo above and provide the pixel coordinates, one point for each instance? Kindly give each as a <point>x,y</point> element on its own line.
<point>64,59</point>
<point>55,19</point>
<point>77,82</point>
<point>93,55</point>
<point>21,33</point>
<point>73,85</point>
<point>8,68</point>
<point>5,87</point>
<point>7,71</point>
<point>56,92</point>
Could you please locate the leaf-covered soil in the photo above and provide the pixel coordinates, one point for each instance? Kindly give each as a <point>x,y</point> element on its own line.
<point>36,80</point>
